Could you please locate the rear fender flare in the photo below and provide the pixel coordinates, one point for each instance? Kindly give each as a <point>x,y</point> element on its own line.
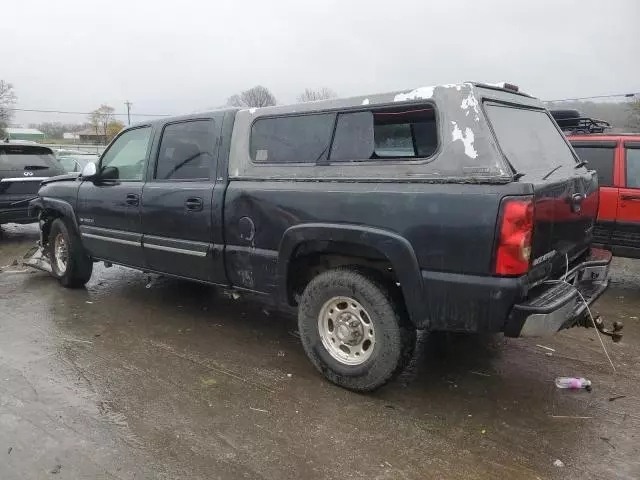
<point>394,247</point>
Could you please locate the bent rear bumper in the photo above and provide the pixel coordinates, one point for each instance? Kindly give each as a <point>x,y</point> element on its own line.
<point>560,304</point>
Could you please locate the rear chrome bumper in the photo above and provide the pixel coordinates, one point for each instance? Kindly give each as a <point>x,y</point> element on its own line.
<point>562,303</point>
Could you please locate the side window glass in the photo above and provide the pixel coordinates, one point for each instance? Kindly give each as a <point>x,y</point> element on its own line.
<point>126,158</point>
<point>186,151</point>
<point>600,159</point>
<point>633,167</point>
<point>386,134</point>
<point>354,138</point>
<point>292,139</point>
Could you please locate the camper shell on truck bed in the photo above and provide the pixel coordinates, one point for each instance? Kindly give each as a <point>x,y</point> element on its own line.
<point>457,208</point>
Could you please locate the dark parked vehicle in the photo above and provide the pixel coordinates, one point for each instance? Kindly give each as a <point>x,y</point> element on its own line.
<point>459,208</point>
<point>23,165</point>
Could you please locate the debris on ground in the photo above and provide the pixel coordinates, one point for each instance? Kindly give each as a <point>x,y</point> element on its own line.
<point>289,375</point>
<point>9,451</point>
<point>208,381</point>
<point>558,463</point>
<point>546,348</point>
<point>479,373</point>
<point>266,312</point>
<point>573,383</point>
<point>616,397</point>
<point>608,442</point>
<point>258,410</point>
<point>281,353</point>
<point>88,302</point>
<point>55,470</point>
<point>573,417</point>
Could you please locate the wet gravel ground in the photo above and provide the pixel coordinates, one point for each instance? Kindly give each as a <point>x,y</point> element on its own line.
<point>170,380</point>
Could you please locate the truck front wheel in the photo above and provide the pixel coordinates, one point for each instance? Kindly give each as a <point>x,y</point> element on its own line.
<point>352,330</point>
<point>69,262</point>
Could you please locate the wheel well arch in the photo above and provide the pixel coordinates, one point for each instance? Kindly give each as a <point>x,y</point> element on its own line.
<point>307,250</point>
<point>48,209</point>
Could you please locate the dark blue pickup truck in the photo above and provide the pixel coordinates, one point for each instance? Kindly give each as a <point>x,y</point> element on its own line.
<point>457,208</point>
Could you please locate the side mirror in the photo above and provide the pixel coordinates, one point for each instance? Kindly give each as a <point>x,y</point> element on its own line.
<point>89,171</point>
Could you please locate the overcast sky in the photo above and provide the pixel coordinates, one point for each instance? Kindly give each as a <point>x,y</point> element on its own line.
<point>183,55</point>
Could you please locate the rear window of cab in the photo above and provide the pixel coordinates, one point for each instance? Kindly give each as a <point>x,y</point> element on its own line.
<point>376,135</point>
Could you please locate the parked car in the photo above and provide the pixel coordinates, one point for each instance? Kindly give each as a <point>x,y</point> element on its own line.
<point>616,158</point>
<point>76,162</point>
<point>23,165</point>
<point>459,208</point>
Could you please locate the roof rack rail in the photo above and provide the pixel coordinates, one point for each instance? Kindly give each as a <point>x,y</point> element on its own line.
<point>571,122</point>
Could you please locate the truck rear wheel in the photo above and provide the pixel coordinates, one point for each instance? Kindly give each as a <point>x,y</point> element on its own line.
<point>352,330</point>
<point>69,262</point>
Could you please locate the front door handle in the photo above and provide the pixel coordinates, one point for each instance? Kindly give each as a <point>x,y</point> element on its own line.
<point>132,199</point>
<point>193,204</point>
<point>633,198</point>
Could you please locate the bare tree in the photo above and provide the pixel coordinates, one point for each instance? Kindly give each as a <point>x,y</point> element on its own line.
<point>257,96</point>
<point>100,119</point>
<point>312,95</point>
<point>7,99</point>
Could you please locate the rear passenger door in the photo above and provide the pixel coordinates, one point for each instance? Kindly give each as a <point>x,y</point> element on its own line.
<point>600,156</point>
<point>627,232</point>
<point>177,210</point>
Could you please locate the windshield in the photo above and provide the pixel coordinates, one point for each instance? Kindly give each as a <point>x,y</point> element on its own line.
<point>529,138</point>
<point>19,157</point>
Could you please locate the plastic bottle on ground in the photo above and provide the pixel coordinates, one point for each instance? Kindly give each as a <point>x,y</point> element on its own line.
<point>573,383</point>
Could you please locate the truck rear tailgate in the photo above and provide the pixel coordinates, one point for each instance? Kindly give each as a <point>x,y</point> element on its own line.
<point>565,193</point>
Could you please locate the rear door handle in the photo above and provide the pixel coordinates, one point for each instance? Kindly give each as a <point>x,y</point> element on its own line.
<point>132,199</point>
<point>633,198</point>
<point>193,204</point>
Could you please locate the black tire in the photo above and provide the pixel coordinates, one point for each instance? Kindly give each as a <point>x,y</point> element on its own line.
<point>395,338</point>
<point>78,265</point>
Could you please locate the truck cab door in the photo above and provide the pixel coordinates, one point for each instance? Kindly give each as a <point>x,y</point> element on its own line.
<point>601,156</point>
<point>179,215</point>
<point>627,231</point>
<point>108,206</point>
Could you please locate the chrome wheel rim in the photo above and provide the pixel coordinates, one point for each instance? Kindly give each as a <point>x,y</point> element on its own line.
<point>60,253</point>
<point>346,330</point>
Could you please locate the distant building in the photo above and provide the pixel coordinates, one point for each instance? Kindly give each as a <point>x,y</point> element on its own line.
<point>71,136</point>
<point>16,133</point>
<point>89,135</point>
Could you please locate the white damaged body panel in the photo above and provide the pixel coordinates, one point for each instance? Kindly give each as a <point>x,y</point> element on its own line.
<point>467,151</point>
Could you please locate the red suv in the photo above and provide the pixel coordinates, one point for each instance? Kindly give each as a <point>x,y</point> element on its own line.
<point>616,159</point>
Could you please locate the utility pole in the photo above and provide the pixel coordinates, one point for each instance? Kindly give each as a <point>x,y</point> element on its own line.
<point>128,104</point>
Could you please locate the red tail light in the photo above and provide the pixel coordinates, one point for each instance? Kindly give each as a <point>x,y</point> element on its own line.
<point>514,241</point>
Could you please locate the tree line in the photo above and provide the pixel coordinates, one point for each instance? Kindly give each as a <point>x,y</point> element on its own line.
<point>259,96</point>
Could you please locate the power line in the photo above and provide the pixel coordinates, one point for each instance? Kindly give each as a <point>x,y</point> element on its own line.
<point>626,95</point>
<point>87,113</point>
